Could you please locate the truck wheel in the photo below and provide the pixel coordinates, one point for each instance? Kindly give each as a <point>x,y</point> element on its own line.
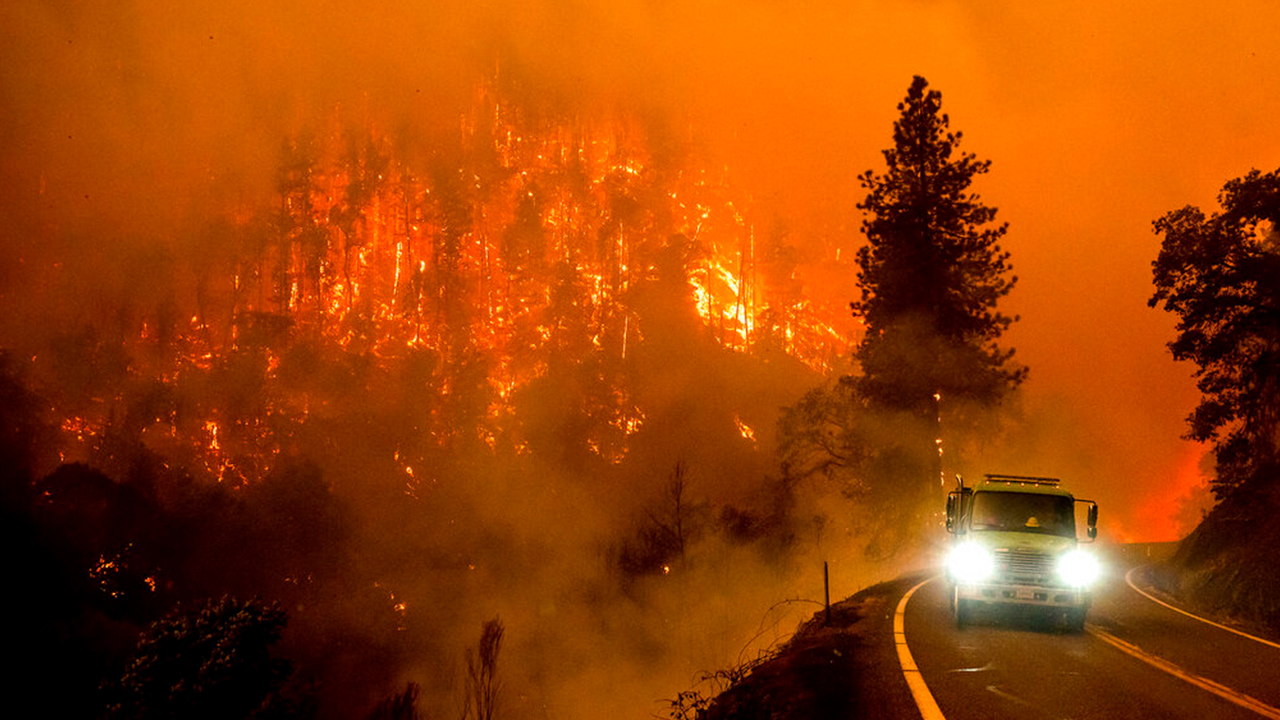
<point>1075,620</point>
<point>964,613</point>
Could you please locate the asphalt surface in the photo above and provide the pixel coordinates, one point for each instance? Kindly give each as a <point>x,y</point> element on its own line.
<point>1137,659</point>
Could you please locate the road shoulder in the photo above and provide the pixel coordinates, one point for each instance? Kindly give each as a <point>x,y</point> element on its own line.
<point>838,671</point>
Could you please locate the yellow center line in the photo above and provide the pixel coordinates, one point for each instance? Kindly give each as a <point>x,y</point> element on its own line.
<point>1203,683</point>
<point>915,681</point>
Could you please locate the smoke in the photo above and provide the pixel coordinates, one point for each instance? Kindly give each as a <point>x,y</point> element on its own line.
<point>144,116</point>
<point>139,139</point>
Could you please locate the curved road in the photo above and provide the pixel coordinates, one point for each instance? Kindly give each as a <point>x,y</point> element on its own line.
<point>1137,659</point>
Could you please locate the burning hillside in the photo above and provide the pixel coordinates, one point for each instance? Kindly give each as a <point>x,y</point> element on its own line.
<point>526,241</point>
<point>375,391</point>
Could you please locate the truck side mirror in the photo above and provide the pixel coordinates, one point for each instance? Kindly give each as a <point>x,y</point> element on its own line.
<point>951,512</point>
<point>1092,521</point>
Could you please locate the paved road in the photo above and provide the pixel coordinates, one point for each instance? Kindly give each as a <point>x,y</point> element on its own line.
<point>1137,659</point>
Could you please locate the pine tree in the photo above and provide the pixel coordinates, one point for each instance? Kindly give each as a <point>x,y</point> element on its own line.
<point>932,272</point>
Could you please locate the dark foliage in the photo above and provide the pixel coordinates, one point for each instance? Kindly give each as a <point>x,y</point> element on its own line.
<point>823,434</point>
<point>104,559</point>
<point>47,635</point>
<point>1220,275</point>
<point>211,663</point>
<point>932,272</point>
<point>401,706</point>
<point>109,538</point>
<point>670,525</point>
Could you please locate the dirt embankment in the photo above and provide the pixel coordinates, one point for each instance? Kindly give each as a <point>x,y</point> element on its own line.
<point>833,670</point>
<point>1229,566</point>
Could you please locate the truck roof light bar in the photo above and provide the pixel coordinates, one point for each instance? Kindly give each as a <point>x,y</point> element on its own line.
<point>1027,479</point>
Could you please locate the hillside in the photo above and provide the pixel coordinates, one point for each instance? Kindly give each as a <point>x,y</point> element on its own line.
<point>1226,567</point>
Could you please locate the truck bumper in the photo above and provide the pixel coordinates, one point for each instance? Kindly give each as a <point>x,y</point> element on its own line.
<point>1035,595</point>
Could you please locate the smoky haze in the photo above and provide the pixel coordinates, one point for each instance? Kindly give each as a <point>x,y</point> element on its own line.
<point>125,127</point>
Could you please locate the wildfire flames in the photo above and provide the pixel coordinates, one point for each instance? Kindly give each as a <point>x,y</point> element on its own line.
<point>528,243</point>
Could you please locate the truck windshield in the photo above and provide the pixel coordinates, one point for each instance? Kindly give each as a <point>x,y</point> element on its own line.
<point>1024,512</point>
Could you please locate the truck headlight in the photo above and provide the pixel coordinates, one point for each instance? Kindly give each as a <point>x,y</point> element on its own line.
<point>971,563</point>
<point>1079,568</point>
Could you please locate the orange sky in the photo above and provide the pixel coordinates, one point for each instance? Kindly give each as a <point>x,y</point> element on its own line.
<point>1098,117</point>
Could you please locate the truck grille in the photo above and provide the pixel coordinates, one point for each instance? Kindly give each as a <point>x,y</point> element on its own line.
<point>1018,565</point>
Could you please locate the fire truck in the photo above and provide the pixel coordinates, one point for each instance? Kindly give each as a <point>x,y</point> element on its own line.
<point>1015,544</point>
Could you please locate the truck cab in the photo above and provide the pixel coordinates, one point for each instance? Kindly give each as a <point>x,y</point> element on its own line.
<point>1015,544</point>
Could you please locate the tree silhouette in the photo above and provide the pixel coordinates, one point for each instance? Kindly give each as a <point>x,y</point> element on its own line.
<point>930,278</point>
<point>1221,276</point>
<point>932,272</point>
<point>401,706</point>
<point>483,688</point>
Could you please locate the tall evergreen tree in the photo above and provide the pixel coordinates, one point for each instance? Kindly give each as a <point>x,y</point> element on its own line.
<point>930,277</point>
<point>932,272</point>
<point>1221,276</point>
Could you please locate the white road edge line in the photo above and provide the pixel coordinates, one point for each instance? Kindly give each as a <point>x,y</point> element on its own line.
<point>1222,691</point>
<point>915,681</point>
<point>1128,578</point>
